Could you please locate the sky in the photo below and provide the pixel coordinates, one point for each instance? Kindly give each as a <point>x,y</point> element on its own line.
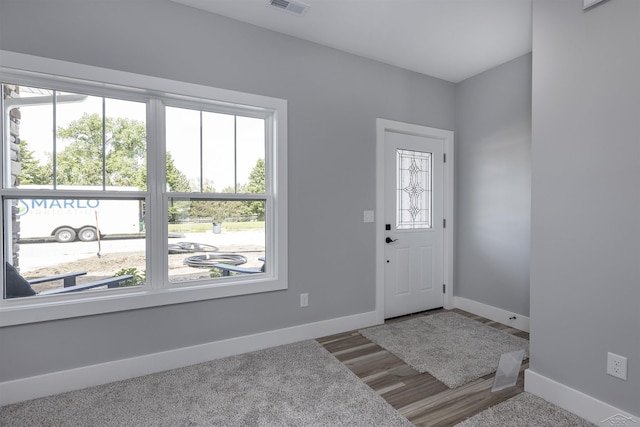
<point>218,132</point>
<point>183,135</point>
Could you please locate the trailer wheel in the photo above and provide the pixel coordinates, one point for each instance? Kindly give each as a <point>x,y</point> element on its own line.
<point>65,235</point>
<point>87,234</point>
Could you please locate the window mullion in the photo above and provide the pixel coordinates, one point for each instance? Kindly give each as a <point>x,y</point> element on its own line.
<point>104,143</point>
<point>55,140</point>
<point>235,153</point>
<point>271,217</point>
<point>156,213</point>
<point>201,156</point>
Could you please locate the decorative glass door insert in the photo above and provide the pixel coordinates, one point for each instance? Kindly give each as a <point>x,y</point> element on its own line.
<point>413,189</point>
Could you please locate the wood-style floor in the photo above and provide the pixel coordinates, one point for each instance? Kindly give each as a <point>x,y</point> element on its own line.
<point>421,398</point>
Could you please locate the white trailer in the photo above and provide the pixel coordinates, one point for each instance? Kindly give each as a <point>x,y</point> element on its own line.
<point>84,219</point>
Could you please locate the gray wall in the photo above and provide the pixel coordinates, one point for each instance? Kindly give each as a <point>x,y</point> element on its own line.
<point>493,186</point>
<point>585,269</point>
<point>334,99</point>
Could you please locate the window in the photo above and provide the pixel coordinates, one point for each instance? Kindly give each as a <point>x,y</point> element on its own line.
<point>78,174</point>
<point>215,166</point>
<point>139,199</point>
<point>414,196</point>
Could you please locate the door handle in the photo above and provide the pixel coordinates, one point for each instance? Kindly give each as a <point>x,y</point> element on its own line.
<point>390,240</point>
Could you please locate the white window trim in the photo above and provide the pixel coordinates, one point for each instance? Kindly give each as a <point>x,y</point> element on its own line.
<point>33,309</point>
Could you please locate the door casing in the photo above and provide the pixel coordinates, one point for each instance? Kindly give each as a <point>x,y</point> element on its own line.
<point>382,126</point>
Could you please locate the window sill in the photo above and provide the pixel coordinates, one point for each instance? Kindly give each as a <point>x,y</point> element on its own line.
<point>40,309</point>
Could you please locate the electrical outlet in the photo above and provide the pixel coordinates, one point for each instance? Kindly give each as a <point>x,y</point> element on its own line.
<point>617,366</point>
<point>304,300</point>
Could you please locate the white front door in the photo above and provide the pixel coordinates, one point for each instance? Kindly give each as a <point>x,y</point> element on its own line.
<point>413,223</point>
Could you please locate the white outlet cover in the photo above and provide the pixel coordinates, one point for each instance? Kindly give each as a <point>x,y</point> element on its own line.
<point>368,216</point>
<point>304,300</point>
<point>617,366</point>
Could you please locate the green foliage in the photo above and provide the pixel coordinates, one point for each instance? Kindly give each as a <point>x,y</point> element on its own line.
<point>80,162</point>
<point>124,153</point>
<point>256,186</point>
<point>215,272</point>
<point>256,178</point>
<point>31,171</point>
<point>218,210</point>
<point>176,180</point>
<point>194,227</point>
<point>139,277</point>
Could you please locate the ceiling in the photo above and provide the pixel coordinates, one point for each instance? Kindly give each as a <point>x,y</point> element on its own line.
<point>448,39</point>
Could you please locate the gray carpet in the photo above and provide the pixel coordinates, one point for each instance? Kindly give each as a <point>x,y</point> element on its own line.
<point>525,410</point>
<point>451,347</point>
<point>298,384</point>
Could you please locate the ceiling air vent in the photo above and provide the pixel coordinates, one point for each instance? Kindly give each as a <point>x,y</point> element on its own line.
<point>295,7</point>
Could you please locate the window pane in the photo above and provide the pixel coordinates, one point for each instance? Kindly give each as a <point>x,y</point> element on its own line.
<point>218,152</point>
<point>205,233</point>
<point>250,148</point>
<point>95,238</point>
<point>79,150</point>
<point>31,136</point>
<point>126,148</point>
<point>76,148</point>
<point>413,182</point>
<point>183,149</point>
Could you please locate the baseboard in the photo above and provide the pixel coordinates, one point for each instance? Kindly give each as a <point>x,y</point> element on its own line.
<point>496,314</point>
<point>583,405</point>
<point>74,379</point>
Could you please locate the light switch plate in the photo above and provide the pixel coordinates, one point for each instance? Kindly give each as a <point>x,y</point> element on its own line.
<point>368,216</point>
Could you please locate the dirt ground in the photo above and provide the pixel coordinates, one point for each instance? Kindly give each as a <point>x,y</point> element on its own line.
<point>106,265</point>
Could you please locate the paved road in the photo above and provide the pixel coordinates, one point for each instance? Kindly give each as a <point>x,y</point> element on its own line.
<point>34,255</point>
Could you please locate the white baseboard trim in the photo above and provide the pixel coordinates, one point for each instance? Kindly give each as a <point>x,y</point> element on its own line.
<point>583,405</point>
<point>74,379</point>
<point>494,313</point>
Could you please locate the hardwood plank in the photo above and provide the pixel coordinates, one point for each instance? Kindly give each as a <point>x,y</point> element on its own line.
<point>421,398</point>
<point>415,390</point>
<point>346,343</point>
<point>355,350</point>
<point>379,361</point>
<point>458,404</point>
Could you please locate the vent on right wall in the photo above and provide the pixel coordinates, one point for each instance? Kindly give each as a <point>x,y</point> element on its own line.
<point>294,7</point>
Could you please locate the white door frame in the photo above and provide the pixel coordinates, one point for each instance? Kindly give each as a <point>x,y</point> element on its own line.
<point>382,126</point>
